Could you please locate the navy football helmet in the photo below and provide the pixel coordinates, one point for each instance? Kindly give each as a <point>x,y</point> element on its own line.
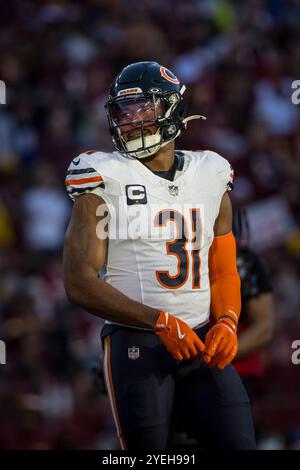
<point>145,109</point>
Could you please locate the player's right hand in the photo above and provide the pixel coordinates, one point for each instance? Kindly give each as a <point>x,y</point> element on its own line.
<point>221,344</point>
<point>179,339</point>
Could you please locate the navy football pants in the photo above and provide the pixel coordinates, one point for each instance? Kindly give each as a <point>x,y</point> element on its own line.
<point>150,393</point>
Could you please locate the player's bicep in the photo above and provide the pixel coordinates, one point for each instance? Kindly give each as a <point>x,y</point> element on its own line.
<point>85,243</point>
<point>223,222</point>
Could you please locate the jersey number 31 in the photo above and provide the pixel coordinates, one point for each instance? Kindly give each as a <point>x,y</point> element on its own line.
<point>178,248</point>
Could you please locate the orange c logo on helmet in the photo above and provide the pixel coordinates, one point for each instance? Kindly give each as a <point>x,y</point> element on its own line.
<point>165,73</point>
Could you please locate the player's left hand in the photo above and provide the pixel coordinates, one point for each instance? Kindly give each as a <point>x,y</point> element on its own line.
<point>221,345</point>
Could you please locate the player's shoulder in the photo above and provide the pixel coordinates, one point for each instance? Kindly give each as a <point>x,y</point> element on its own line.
<point>90,171</point>
<point>94,159</point>
<point>211,159</point>
<point>91,163</point>
<point>213,167</point>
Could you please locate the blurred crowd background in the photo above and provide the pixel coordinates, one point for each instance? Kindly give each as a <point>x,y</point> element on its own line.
<point>57,58</point>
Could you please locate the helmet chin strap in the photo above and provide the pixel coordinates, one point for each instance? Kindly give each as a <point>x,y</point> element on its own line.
<point>191,118</point>
<point>184,122</point>
<point>151,139</point>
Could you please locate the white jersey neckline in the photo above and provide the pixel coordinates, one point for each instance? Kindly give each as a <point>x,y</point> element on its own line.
<point>157,180</point>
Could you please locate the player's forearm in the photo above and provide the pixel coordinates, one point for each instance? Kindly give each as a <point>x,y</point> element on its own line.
<point>103,300</point>
<point>225,296</point>
<point>225,282</point>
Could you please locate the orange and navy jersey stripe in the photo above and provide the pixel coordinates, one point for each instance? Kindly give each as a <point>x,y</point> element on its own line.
<point>81,181</point>
<point>111,390</point>
<point>82,177</point>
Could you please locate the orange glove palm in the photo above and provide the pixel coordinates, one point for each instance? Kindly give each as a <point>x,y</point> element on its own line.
<point>179,339</point>
<point>221,344</point>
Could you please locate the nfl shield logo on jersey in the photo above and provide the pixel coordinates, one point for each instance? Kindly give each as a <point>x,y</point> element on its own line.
<point>133,353</point>
<point>173,190</point>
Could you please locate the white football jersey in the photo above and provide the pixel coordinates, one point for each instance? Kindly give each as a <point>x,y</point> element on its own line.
<point>160,231</point>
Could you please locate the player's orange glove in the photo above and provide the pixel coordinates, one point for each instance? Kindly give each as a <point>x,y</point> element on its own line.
<point>179,339</point>
<point>221,343</point>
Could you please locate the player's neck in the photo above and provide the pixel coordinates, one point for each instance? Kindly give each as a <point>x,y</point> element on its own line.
<point>162,160</point>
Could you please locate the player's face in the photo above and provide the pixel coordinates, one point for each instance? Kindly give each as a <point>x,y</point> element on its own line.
<point>129,116</point>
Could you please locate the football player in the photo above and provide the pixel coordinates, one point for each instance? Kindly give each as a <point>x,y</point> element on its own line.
<point>158,221</point>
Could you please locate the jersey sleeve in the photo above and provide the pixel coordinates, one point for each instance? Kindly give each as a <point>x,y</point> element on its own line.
<point>83,177</point>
